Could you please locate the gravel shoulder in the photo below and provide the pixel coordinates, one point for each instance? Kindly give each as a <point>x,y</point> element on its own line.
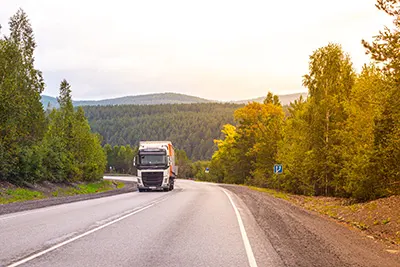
<point>305,238</point>
<point>41,203</point>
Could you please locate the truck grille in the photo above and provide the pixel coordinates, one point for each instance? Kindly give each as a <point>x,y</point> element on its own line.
<point>152,178</point>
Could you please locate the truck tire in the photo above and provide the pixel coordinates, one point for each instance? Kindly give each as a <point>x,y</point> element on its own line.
<point>141,190</point>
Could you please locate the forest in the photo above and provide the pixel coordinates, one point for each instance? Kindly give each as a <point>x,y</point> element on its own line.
<point>35,145</point>
<point>190,127</point>
<point>343,140</point>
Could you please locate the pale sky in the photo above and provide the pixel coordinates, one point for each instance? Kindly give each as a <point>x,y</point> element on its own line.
<point>216,49</point>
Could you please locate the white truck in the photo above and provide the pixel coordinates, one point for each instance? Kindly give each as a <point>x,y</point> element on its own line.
<point>155,164</point>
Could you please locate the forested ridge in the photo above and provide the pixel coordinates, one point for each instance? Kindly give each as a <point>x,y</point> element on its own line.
<point>149,99</point>
<point>343,140</point>
<point>56,145</point>
<point>191,127</point>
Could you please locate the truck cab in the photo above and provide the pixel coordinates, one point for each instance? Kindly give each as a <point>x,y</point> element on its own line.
<point>155,164</point>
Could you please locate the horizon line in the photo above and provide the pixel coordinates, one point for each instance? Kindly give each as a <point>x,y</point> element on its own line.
<point>113,98</point>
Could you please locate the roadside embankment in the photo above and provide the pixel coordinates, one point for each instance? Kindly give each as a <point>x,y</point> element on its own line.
<point>14,199</point>
<point>303,237</point>
<point>378,219</point>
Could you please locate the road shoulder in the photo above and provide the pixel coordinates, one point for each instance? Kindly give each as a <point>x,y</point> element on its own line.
<point>47,202</point>
<point>304,238</point>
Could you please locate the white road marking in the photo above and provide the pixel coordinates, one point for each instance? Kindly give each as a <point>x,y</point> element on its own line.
<point>247,246</point>
<point>25,260</point>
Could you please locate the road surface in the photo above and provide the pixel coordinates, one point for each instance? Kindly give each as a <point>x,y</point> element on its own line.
<point>197,224</point>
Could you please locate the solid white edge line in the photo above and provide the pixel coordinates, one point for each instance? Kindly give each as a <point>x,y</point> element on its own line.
<point>80,236</point>
<point>246,242</point>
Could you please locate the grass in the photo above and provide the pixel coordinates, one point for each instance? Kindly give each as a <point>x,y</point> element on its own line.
<point>22,194</point>
<point>90,188</point>
<point>19,194</point>
<point>272,192</point>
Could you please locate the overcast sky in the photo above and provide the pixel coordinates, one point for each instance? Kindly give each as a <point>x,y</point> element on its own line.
<point>216,49</point>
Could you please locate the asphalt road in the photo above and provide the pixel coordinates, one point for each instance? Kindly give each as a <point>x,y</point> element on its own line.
<point>194,225</point>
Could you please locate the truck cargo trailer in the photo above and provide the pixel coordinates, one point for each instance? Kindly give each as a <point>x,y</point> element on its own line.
<point>155,164</point>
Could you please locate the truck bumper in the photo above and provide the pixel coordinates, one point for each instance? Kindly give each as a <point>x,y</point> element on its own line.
<point>155,188</point>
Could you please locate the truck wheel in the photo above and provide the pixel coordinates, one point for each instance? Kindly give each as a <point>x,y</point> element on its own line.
<point>166,189</point>
<point>141,190</point>
<point>171,187</point>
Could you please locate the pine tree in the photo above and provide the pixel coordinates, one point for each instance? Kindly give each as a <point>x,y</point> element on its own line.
<point>72,152</point>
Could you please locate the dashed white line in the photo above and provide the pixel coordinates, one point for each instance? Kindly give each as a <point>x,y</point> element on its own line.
<point>246,242</point>
<point>25,260</point>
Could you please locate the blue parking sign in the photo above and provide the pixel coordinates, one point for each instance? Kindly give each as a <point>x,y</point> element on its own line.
<point>278,168</point>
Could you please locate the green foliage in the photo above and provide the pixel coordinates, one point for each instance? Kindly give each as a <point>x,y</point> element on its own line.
<point>190,127</point>
<point>76,153</point>
<point>252,145</point>
<point>365,109</point>
<point>293,152</point>
<point>32,148</point>
<point>330,81</point>
<point>384,50</point>
<point>120,158</point>
<point>22,120</point>
<point>199,171</point>
<point>184,164</point>
<point>225,161</point>
<point>344,140</point>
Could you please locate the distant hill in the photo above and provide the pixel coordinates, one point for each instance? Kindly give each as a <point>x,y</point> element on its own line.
<point>285,99</point>
<point>49,99</point>
<point>162,98</point>
<point>150,99</point>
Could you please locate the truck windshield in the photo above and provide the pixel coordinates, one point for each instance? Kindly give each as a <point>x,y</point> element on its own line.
<point>153,159</point>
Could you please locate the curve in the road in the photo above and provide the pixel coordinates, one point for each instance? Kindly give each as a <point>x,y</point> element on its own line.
<point>196,224</point>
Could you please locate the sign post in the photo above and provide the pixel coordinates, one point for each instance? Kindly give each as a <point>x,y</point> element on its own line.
<point>278,169</point>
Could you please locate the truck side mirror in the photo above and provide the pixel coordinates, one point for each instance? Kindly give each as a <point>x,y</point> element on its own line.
<point>134,161</point>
